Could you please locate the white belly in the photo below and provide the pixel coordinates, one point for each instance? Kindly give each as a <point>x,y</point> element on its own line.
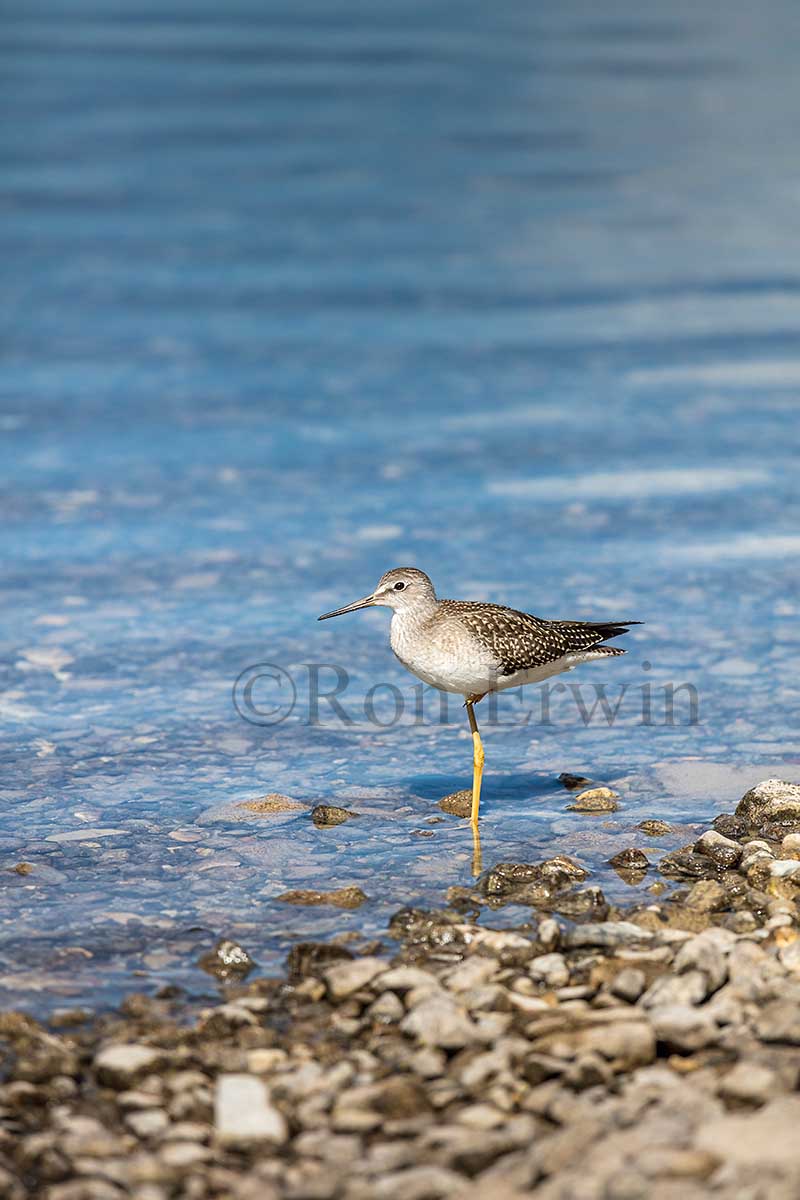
<point>445,662</point>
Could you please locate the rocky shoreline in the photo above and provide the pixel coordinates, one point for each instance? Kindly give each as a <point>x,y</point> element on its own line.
<point>593,1053</point>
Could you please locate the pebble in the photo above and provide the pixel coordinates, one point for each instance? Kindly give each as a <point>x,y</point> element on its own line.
<point>348,977</point>
<point>707,895</point>
<point>119,1066</point>
<point>748,1083</point>
<point>721,850</point>
<point>629,984</point>
<point>684,1028</point>
<point>244,1114</point>
<point>439,1022</point>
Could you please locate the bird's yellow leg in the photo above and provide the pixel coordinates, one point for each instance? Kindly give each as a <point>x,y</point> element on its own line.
<point>477,855</point>
<point>477,762</point>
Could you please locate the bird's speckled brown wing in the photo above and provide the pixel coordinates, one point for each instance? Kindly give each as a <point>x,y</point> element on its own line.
<point>521,641</point>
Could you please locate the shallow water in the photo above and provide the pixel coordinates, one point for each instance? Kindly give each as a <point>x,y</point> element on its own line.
<point>292,296</point>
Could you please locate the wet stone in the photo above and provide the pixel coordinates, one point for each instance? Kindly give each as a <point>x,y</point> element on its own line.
<point>630,860</point>
<point>573,782</point>
<point>329,814</point>
<point>346,897</point>
<point>228,960</point>
<point>266,806</point>
<point>722,851</point>
<point>600,799</point>
<point>457,803</point>
<point>730,826</point>
<point>684,864</point>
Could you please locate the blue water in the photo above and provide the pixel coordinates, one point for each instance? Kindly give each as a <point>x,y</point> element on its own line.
<point>293,293</point>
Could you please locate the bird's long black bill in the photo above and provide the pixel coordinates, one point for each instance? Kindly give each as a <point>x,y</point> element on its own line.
<point>337,612</point>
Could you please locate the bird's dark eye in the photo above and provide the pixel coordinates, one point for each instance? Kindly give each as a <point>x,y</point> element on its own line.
<point>398,587</point>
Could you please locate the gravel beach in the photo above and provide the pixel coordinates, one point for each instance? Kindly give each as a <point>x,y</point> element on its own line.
<point>594,1052</point>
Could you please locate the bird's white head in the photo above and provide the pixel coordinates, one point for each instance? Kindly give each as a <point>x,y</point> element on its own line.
<point>399,589</point>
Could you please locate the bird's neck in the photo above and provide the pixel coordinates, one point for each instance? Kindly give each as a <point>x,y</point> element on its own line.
<point>406,621</point>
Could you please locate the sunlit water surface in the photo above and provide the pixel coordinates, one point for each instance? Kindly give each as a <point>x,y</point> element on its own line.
<point>294,293</point>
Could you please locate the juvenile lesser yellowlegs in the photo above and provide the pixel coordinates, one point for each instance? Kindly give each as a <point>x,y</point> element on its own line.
<point>471,648</point>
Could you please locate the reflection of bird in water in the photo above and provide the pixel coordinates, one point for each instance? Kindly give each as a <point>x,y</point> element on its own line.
<point>471,648</point>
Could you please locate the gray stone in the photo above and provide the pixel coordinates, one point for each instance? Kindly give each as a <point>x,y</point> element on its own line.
<point>748,1083</point>
<point>416,1183</point>
<point>348,977</point>
<point>670,990</point>
<point>684,1028</point>
<point>550,969</point>
<point>707,895</point>
<point>628,984</point>
<point>779,1021</point>
<point>721,850</point>
<point>244,1115</point>
<point>766,1139</point>
<point>707,952</point>
<point>439,1021</point>
<point>147,1122</point>
<point>607,934</point>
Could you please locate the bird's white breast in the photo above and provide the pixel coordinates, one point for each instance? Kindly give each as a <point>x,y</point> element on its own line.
<point>442,656</point>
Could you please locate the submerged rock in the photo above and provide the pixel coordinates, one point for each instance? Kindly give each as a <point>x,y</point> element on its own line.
<point>346,897</point>
<point>654,827</point>
<point>329,814</point>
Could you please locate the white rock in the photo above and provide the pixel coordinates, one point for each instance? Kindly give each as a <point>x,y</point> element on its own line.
<point>403,979</point>
<point>785,868</point>
<point>121,1064</point>
<point>244,1113</point>
<point>766,1139</point>
<point>471,973</point>
<point>550,969</point>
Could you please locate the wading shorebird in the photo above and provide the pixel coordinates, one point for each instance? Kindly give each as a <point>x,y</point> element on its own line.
<point>471,648</point>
